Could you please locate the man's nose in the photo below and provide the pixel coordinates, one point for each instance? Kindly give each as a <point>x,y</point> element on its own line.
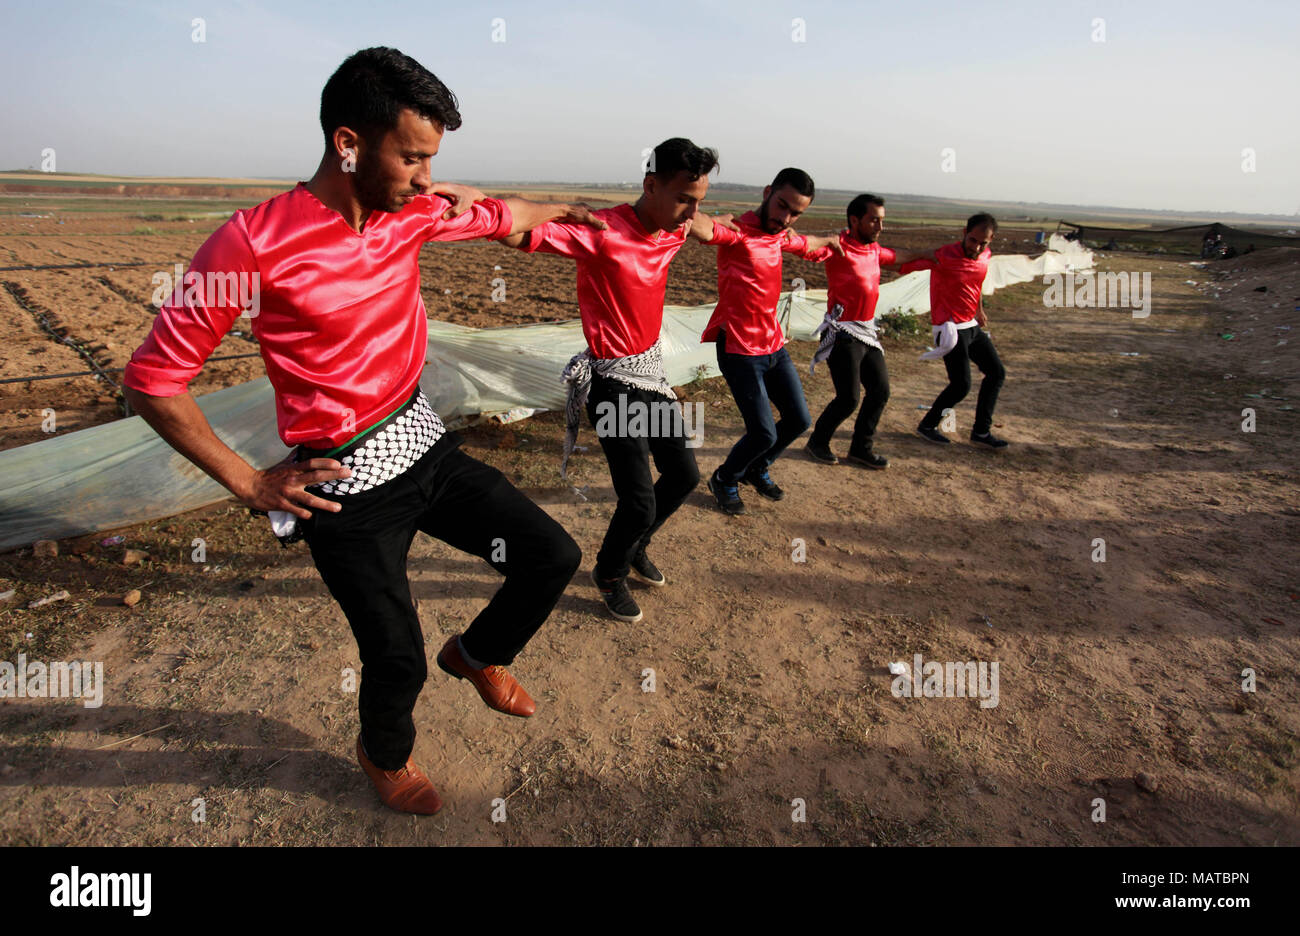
<point>423,179</point>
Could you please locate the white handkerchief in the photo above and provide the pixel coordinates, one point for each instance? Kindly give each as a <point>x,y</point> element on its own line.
<point>945,339</point>
<point>283,523</point>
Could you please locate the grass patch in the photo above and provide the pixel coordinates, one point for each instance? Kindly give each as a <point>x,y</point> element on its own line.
<point>902,325</point>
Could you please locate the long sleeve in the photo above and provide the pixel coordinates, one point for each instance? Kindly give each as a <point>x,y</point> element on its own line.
<point>221,281</point>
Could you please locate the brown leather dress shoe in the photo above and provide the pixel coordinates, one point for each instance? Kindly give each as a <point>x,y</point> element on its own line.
<point>406,790</point>
<point>498,688</point>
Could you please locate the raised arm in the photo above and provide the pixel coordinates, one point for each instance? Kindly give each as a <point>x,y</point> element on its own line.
<point>909,256</point>
<point>529,214</point>
<point>462,197</point>
<point>821,246</point>
<point>519,240</point>
<point>705,228</point>
<point>525,215</point>
<point>575,234</point>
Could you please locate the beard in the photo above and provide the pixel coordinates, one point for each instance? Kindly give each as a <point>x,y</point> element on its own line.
<point>372,191</point>
<point>863,236</point>
<point>767,223</point>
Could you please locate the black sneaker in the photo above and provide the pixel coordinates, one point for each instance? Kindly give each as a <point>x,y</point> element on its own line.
<point>933,435</point>
<point>868,459</point>
<point>988,439</point>
<point>763,483</point>
<point>728,496</point>
<point>617,598</point>
<point>646,570</point>
<point>821,453</point>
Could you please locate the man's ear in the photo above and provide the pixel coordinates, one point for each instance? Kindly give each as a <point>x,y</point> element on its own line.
<point>345,138</point>
<point>648,184</point>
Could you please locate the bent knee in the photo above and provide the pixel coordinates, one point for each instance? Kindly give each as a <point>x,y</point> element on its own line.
<point>639,511</point>
<point>558,551</point>
<point>764,437</point>
<point>689,477</point>
<point>567,556</point>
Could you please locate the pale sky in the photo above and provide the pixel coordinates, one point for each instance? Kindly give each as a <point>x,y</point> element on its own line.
<point>1034,109</point>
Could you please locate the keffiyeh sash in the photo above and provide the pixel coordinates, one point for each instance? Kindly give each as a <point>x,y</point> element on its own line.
<point>644,371</point>
<point>830,329</point>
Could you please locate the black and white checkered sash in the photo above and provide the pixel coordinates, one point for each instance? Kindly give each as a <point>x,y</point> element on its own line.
<point>830,329</point>
<point>644,371</point>
<point>388,452</point>
<point>374,458</point>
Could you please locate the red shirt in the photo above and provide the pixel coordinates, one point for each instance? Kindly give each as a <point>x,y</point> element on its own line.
<point>853,280</point>
<point>955,283</point>
<point>341,325</point>
<point>622,277</point>
<point>749,285</point>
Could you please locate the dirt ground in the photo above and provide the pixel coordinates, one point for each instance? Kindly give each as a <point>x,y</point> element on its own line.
<point>226,682</point>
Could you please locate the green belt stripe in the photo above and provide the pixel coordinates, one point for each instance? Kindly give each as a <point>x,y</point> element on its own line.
<point>361,435</point>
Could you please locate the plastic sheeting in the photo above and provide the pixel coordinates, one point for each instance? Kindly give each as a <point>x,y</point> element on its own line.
<point>122,473</point>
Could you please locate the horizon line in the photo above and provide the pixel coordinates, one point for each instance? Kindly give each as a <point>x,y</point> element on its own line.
<point>251,181</point>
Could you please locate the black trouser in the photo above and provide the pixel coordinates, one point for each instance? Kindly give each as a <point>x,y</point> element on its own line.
<point>854,364</point>
<point>758,382</point>
<point>361,555</point>
<point>973,344</point>
<point>642,506</point>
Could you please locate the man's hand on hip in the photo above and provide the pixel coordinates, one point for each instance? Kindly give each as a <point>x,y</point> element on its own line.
<point>283,487</point>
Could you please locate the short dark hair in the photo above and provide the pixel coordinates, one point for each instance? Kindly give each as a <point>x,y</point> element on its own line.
<point>980,220</point>
<point>797,179</point>
<point>681,155</point>
<point>858,207</point>
<point>372,87</point>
